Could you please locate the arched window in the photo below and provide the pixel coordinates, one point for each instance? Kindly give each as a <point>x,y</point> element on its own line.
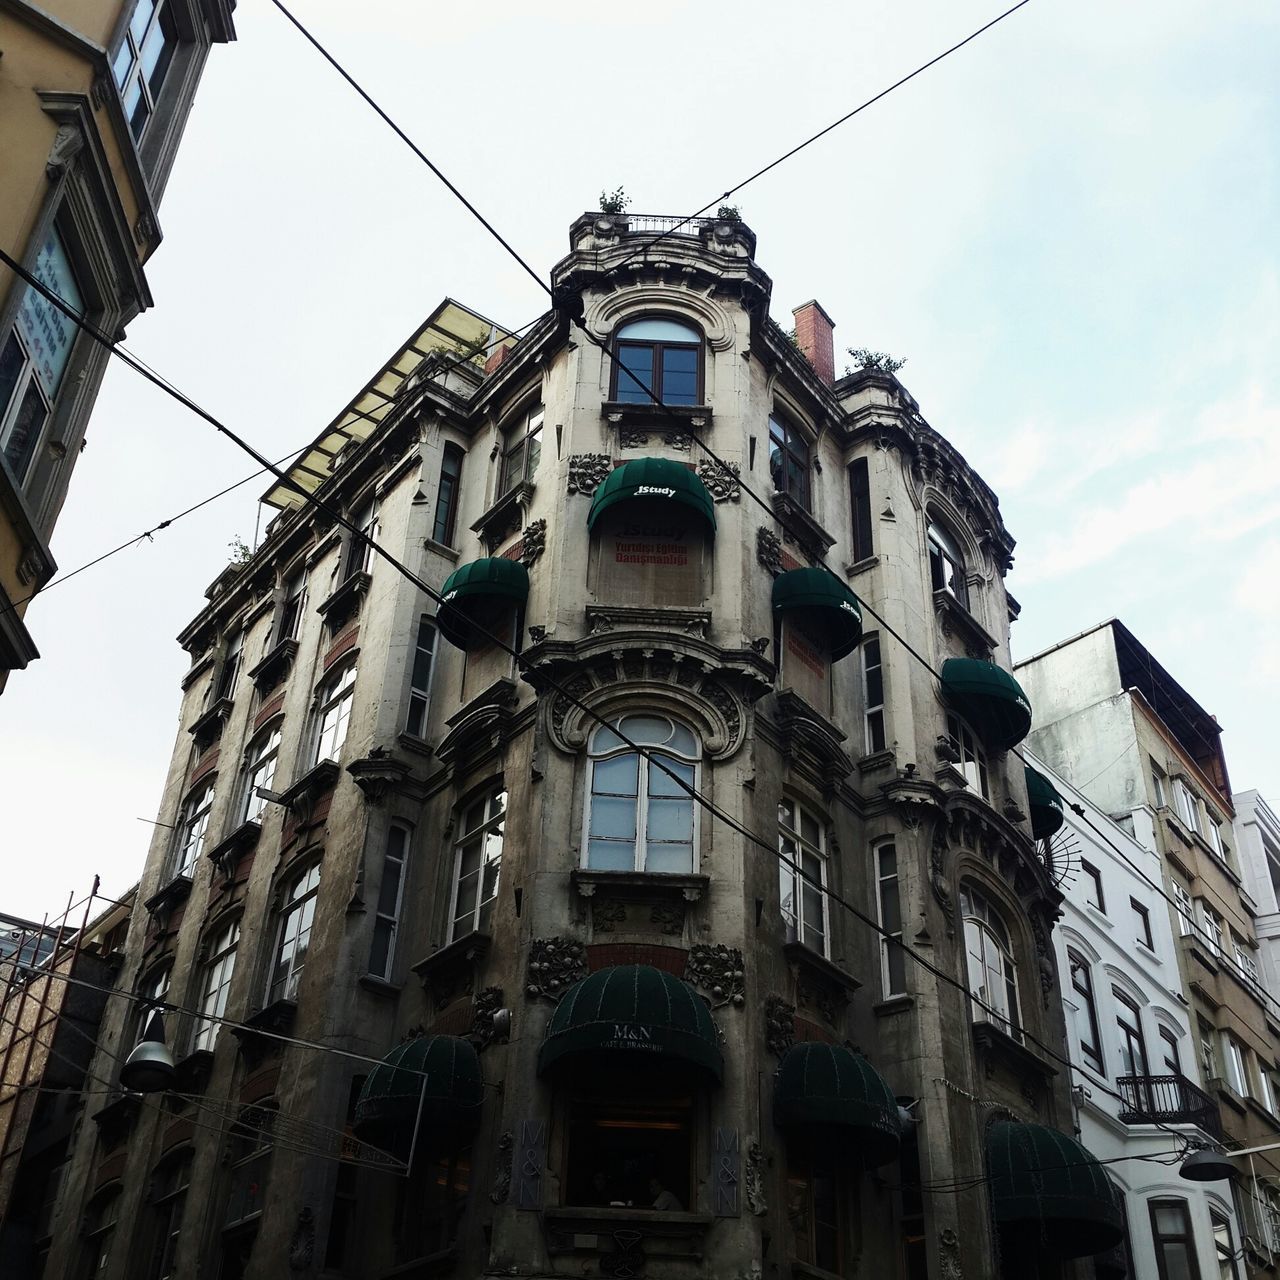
<point>99,1226</point>
<point>333,711</point>
<point>788,459</point>
<point>193,825</point>
<point>802,838</point>
<point>946,564</point>
<point>168,1200</point>
<point>1087,1016</point>
<point>297,914</point>
<point>993,976</point>
<point>638,817</point>
<point>248,1154</point>
<point>216,985</point>
<point>260,771</point>
<point>969,757</point>
<point>657,358</point>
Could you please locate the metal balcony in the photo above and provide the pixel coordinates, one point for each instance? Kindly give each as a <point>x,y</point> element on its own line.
<point>1168,1100</point>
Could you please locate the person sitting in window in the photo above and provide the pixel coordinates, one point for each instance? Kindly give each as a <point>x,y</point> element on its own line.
<point>663,1200</point>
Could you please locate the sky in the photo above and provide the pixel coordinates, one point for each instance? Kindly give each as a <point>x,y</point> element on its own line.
<point>1070,229</point>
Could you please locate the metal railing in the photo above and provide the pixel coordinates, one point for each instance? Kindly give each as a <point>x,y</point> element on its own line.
<point>646,222</point>
<point>1170,1099</point>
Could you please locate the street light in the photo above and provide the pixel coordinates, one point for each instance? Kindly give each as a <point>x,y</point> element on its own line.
<point>1216,1166</point>
<point>149,1068</point>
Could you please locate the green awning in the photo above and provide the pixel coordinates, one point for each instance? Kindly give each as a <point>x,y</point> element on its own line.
<point>441,1071</point>
<point>632,1013</point>
<point>989,698</point>
<point>476,596</point>
<point>826,1091</point>
<point>656,481</point>
<point>1049,1193</point>
<point>1045,803</point>
<point>823,604</point>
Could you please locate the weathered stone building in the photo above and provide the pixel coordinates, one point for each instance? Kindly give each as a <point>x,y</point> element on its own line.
<point>93,102</point>
<point>660,1035</point>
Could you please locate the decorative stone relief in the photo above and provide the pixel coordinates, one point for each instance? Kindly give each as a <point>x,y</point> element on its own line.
<point>633,439</point>
<point>718,970</point>
<point>680,440</point>
<point>1044,960</point>
<point>487,1003</point>
<point>1011,811</point>
<point>754,1180</point>
<point>554,964</point>
<point>669,917</point>
<point>722,479</point>
<point>534,542</point>
<point>537,634</point>
<point>587,471</point>
<point>302,1245</point>
<point>939,883</point>
<point>949,1254</point>
<point>145,230</point>
<point>759,645</point>
<point>607,914</point>
<point>67,144</point>
<point>779,1025</point>
<point>502,1177</point>
<point>946,750</point>
<point>769,550</point>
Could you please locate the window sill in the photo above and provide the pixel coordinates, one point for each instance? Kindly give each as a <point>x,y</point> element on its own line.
<point>430,1264</point>
<point>344,603</point>
<point>996,1043</point>
<point>807,1271</point>
<point>376,775</point>
<point>441,549</point>
<point>503,518</point>
<point>955,619</point>
<point>207,729</point>
<point>274,668</point>
<point>859,567</point>
<point>800,525</point>
<point>892,1005</point>
<point>621,414</point>
<point>886,759</point>
<point>191,1074</point>
<point>380,986</point>
<point>224,856</point>
<point>803,957</point>
<point>198,669</point>
<point>419,746</point>
<point>313,784</point>
<point>443,972</point>
<point>175,890</point>
<point>682,885</point>
<point>277,1019</point>
<point>116,1119</point>
<point>1099,916</point>
<point>595,1230</point>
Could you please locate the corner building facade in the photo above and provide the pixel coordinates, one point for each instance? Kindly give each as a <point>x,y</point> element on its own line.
<point>658,1037</point>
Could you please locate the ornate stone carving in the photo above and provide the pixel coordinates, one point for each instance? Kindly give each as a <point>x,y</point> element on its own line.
<point>946,750</point>
<point>607,913</point>
<point>145,230</point>
<point>487,1003</point>
<point>779,1025</point>
<point>587,471</point>
<point>759,645</point>
<point>726,704</point>
<point>100,91</point>
<point>1044,959</point>
<point>67,144</point>
<point>722,479</point>
<point>668,916</point>
<point>537,634</point>
<point>502,1174</point>
<point>938,881</point>
<point>633,439</point>
<point>718,970</point>
<point>949,1254</point>
<point>302,1245</point>
<point>680,440</point>
<point>555,964</point>
<point>1011,811</point>
<point>756,1201</point>
<point>769,550</point>
<point>534,542</point>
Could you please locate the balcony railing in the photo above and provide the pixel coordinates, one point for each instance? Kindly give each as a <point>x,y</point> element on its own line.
<point>648,222</point>
<point>1168,1100</point>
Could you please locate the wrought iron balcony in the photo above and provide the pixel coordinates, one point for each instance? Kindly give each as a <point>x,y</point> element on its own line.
<point>1168,1099</point>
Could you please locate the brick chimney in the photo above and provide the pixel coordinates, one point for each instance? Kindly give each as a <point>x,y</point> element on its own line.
<point>813,335</point>
<point>496,358</point>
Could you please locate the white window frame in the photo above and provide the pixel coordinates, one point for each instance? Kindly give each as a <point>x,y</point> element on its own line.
<point>333,714</point>
<point>490,834</point>
<point>229,672</point>
<point>1213,929</point>
<point>127,62</point>
<point>420,688</point>
<point>151,994</point>
<point>1237,1065</point>
<point>1185,909</point>
<point>889,917</point>
<point>386,916</point>
<point>522,438</point>
<point>973,757</point>
<point>261,761</point>
<point>873,712</point>
<point>1188,806</point>
<point>947,562</point>
<point>299,901</point>
<point>193,828</point>
<point>1160,784</point>
<point>1266,1087</point>
<point>646,773</point>
<point>795,913</point>
<point>366,519</point>
<point>1245,960</point>
<point>293,604</point>
<point>995,984</point>
<point>218,972</point>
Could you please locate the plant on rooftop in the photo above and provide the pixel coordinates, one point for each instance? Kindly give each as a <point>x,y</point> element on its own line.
<point>728,213</point>
<point>240,552</point>
<point>868,359</point>
<point>616,202</point>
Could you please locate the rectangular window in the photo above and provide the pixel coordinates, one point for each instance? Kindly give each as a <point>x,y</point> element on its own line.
<point>293,603</point>
<point>1159,785</point>
<point>1141,924</point>
<point>390,895</point>
<point>1186,909</point>
<point>788,460</point>
<point>1133,1045</point>
<point>1082,984</point>
<point>803,877</point>
<point>1188,806</point>
<point>1208,1054</point>
<point>260,771</point>
<point>168,1196</point>
<point>1093,885</point>
<point>193,825</point>
<point>860,502</point>
<point>968,755</point>
<point>1213,931</point>
<point>1171,1059</point>
<point>420,680</point>
<point>816,1199</point>
<point>1174,1244</point>
<point>1266,1087</point>
<point>226,686</point>
<point>1214,831</point>
<point>893,961</point>
<point>521,452</point>
<point>333,713</point>
<point>142,61</point>
<point>1245,960</point>
<point>217,985</point>
<point>447,495</point>
<point>360,549</point>
<point>873,693</point>
<point>297,915</point>
<point>1233,1055</point>
<point>1223,1248</point>
<point>477,864</point>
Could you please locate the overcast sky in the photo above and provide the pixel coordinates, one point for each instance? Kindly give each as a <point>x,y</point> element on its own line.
<point>1070,229</point>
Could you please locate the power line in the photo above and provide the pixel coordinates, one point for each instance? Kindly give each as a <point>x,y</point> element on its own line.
<point>822,133</point>
<point>413,146</point>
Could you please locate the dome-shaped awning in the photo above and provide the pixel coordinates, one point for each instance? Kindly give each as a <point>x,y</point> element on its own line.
<point>1045,804</point>
<point>823,604</point>
<point>632,1013</point>
<point>441,1071</point>
<point>475,596</point>
<point>1047,1188</point>
<point>828,1091</point>
<point>989,698</point>
<point>653,481</point>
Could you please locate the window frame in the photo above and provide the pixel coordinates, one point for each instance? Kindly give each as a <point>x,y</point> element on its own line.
<point>1160,785</point>
<point>1094,876</point>
<point>1172,1053</point>
<point>1188,806</point>
<point>1235,1058</point>
<point>299,896</point>
<point>217,974</point>
<point>788,440</point>
<point>1091,1052</point>
<point>893,976</point>
<point>792,885</point>
<point>658,347</point>
<point>335,692</point>
<point>861,524</point>
<point>293,604</point>
<point>232,660</point>
<point>168,1206</point>
<point>365,515</point>
<point>973,764</point>
<point>1213,929</point>
<point>1007,1015</point>
<point>448,491</point>
<point>192,829</point>
<point>1184,1238</point>
<point>260,768</point>
<point>521,449</point>
<point>803,1170</point>
<point>495,800</point>
<point>98,1236</point>
<point>419,703</point>
<point>1142,916</point>
<point>150,85</point>
<point>385,913</point>
<point>645,777</point>
<point>873,712</point>
<point>948,566</point>
<point>1224,1254</point>
<point>1184,909</point>
<point>1133,1039</point>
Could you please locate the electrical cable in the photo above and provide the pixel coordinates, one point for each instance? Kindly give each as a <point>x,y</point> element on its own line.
<point>835,124</point>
